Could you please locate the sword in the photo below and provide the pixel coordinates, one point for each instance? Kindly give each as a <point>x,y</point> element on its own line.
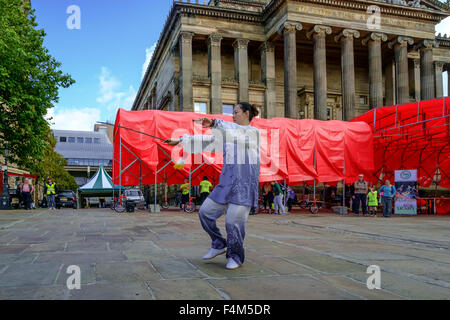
<point>121,127</point>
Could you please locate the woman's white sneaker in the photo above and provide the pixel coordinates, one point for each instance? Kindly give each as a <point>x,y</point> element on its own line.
<point>214,253</point>
<point>231,264</point>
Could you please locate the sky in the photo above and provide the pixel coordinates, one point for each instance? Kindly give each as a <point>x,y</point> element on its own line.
<point>106,54</point>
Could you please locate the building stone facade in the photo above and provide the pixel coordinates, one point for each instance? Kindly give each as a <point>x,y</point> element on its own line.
<point>321,59</point>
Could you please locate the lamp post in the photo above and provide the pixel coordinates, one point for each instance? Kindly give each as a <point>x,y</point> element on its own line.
<point>5,200</point>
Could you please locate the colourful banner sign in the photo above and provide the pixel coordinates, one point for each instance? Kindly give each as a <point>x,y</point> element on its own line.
<point>406,197</point>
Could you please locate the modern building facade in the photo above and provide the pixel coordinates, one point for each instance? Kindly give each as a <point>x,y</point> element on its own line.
<point>318,59</point>
<point>85,152</point>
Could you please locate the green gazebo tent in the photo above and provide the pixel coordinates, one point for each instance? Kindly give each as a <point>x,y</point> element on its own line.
<point>100,185</point>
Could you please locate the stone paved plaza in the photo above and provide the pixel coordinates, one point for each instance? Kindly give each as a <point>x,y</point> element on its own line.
<point>158,256</point>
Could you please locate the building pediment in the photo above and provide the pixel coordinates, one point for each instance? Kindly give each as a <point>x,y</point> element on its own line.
<point>422,4</point>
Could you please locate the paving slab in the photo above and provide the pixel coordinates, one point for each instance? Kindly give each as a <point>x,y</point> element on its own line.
<point>30,275</point>
<point>34,293</point>
<point>112,291</point>
<point>281,288</point>
<point>175,268</point>
<point>196,289</point>
<point>125,272</point>
<point>158,256</point>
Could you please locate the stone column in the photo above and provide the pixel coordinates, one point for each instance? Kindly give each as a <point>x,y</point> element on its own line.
<point>427,82</point>
<point>438,68</point>
<point>241,67</point>
<point>186,89</point>
<point>390,83</point>
<point>373,41</point>
<point>348,72</point>
<point>268,77</point>
<point>400,45</point>
<point>448,81</point>
<point>417,79</point>
<point>289,30</point>
<point>319,33</point>
<point>215,72</point>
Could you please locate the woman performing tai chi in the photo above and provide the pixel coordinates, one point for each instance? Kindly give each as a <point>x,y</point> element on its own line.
<point>238,187</point>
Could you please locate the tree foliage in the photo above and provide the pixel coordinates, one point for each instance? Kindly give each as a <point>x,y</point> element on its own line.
<point>29,83</point>
<point>52,166</point>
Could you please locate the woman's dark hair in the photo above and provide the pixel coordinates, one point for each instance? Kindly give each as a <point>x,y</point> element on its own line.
<point>205,178</point>
<point>252,109</point>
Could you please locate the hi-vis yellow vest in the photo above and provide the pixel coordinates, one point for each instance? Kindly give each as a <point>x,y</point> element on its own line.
<point>50,188</point>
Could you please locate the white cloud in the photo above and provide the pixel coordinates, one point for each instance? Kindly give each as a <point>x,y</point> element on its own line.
<point>148,57</point>
<point>444,27</point>
<point>73,119</point>
<point>111,95</point>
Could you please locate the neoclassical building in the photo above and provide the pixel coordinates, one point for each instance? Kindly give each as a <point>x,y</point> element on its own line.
<point>321,59</point>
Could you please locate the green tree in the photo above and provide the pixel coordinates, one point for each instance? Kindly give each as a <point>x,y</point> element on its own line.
<point>52,166</point>
<point>29,83</point>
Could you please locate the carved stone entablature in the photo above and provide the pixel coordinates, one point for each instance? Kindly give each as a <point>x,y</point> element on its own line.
<point>229,80</point>
<point>347,33</point>
<point>288,27</point>
<point>443,40</point>
<point>433,13</point>
<point>236,4</point>
<point>401,40</point>
<point>318,30</point>
<point>218,12</point>
<point>414,3</point>
<point>426,44</point>
<point>256,84</point>
<point>374,36</point>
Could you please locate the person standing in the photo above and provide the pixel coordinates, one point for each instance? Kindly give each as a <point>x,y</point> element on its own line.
<point>360,195</point>
<point>238,188</point>
<point>387,198</point>
<point>291,197</point>
<point>184,194</point>
<point>267,197</point>
<point>205,189</point>
<point>373,201</point>
<point>26,191</point>
<point>51,191</point>
<point>278,200</point>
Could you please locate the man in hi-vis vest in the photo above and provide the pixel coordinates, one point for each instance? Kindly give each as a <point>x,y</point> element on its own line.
<point>51,192</point>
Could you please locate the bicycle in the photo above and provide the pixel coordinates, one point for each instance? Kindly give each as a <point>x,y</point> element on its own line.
<point>190,206</point>
<point>173,202</point>
<point>315,207</point>
<point>119,205</point>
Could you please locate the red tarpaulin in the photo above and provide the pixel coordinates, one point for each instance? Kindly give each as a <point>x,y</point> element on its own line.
<point>412,136</point>
<point>296,150</point>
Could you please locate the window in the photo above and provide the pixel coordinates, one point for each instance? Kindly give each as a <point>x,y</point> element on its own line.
<point>362,100</point>
<point>62,139</point>
<point>200,107</point>
<point>97,140</point>
<point>71,139</point>
<point>227,109</point>
<point>87,140</point>
<point>80,140</point>
<point>328,113</point>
